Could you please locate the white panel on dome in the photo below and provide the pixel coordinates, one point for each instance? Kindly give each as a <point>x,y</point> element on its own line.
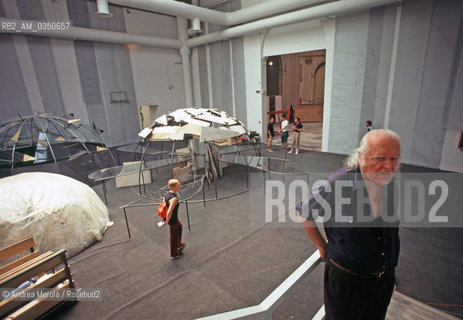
<point>209,134</point>
<point>229,130</point>
<point>166,133</point>
<point>165,136</point>
<point>213,118</point>
<point>199,122</point>
<point>145,132</point>
<point>162,120</point>
<point>195,111</point>
<point>238,128</point>
<point>191,129</point>
<point>168,129</point>
<point>180,115</point>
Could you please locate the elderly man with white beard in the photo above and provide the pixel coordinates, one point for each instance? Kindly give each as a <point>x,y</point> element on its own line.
<point>356,205</point>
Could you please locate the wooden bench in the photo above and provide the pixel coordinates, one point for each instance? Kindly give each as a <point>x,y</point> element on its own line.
<point>23,263</point>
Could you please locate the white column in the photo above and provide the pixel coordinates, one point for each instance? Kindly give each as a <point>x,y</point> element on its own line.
<point>185,53</point>
<point>209,70</point>
<point>329,26</point>
<point>195,78</point>
<point>182,26</point>
<point>232,79</point>
<point>253,75</point>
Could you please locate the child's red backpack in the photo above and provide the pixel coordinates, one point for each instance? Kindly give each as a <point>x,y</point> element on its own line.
<point>162,210</point>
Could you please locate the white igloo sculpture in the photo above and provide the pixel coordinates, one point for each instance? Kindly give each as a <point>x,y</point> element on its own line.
<point>58,211</point>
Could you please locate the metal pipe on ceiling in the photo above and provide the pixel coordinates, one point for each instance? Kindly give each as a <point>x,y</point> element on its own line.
<point>328,10</point>
<point>78,33</point>
<point>251,13</point>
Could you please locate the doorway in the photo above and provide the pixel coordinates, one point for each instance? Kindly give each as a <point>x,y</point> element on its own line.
<point>298,80</point>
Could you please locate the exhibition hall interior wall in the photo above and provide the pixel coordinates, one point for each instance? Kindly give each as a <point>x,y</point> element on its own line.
<point>221,80</point>
<point>400,66</point>
<point>101,83</point>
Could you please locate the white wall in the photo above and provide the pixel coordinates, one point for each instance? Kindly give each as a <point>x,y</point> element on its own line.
<point>157,75</point>
<point>348,83</point>
<point>300,37</point>
<point>413,89</point>
<point>68,76</point>
<point>27,69</point>
<point>26,65</point>
<point>452,157</point>
<point>401,67</point>
<point>422,86</point>
<point>157,72</point>
<point>427,96</point>
<point>253,75</point>
<point>79,70</point>
<point>65,63</point>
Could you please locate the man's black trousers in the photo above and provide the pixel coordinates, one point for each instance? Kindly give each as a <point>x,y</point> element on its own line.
<point>352,297</point>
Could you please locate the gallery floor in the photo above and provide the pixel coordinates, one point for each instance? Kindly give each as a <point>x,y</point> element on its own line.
<point>234,258</point>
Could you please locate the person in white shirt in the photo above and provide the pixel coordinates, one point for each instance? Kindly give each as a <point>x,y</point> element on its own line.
<point>284,133</point>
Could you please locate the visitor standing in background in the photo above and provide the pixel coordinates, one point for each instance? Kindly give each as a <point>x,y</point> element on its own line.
<point>297,128</point>
<point>369,125</point>
<point>270,134</point>
<point>284,133</point>
<point>176,244</point>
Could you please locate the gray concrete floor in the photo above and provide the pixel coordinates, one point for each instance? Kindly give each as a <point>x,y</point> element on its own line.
<point>234,261</point>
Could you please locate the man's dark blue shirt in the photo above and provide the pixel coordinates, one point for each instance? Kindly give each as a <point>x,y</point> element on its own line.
<point>271,130</point>
<point>357,240</point>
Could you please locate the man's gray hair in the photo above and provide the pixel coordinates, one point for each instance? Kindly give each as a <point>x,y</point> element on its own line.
<point>352,161</point>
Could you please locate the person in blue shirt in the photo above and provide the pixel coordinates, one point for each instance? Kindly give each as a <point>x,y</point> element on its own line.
<point>357,207</point>
<point>369,125</point>
<point>297,128</point>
